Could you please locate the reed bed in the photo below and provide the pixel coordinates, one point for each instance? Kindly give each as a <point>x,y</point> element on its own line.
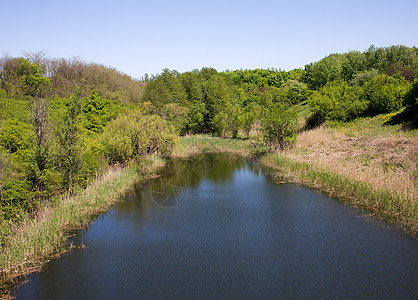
<point>36,241</point>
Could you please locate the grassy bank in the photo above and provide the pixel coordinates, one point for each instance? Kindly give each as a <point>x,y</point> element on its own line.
<point>36,241</point>
<point>389,205</point>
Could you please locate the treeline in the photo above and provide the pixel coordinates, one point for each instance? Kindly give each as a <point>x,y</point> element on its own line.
<point>356,84</point>
<point>64,74</point>
<point>338,87</point>
<point>207,101</point>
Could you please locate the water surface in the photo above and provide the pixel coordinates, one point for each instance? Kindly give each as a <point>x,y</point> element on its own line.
<point>217,228</point>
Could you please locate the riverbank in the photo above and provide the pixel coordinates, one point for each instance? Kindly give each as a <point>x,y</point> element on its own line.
<point>36,241</point>
<point>377,173</point>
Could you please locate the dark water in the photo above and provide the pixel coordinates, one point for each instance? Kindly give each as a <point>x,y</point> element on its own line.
<point>219,228</point>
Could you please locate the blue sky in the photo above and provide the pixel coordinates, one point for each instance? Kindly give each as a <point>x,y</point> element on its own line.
<point>138,37</point>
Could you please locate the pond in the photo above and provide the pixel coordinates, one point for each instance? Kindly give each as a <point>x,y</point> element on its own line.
<point>216,226</point>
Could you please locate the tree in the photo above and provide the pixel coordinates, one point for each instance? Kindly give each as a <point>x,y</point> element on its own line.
<point>279,127</point>
<point>385,93</point>
<point>196,118</point>
<point>319,73</point>
<point>176,115</point>
<point>69,139</point>
<point>40,159</point>
<point>165,88</point>
<point>216,96</point>
<point>337,100</point>
<point>411,102</point>
<point>96,112</point>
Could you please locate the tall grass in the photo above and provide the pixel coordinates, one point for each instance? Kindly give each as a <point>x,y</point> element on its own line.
<point>37,240</point>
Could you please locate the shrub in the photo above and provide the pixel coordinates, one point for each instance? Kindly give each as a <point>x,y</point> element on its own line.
<point>337,100</point>
<point>136,134</point>
<point>385,93</point>
<point>279,127</point>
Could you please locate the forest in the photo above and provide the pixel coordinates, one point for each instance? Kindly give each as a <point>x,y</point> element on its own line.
<point>64,121</point>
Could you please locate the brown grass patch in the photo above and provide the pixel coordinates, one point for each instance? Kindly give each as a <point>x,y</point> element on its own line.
<point>389,163</point>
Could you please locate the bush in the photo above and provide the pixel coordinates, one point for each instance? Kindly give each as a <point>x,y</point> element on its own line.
<point>279,127</point>
<point>337,100</point>
<point>385,93</point>
<point>136,134</point>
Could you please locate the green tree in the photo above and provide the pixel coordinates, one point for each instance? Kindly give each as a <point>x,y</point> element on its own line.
<point>176,115</point>
<point>411,103</point>
<point>337,100</point>
<point>279,127</point>
<point>135,135</point>
<point>165,88</point>
<point>69,139</point>
<point>196,118</point>
<point>97,114</point>
<point>327,69</point>
<point>216,97</point>
<point>385,93</point>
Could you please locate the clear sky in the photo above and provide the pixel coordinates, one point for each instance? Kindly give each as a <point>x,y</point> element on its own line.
<point>138,37</point>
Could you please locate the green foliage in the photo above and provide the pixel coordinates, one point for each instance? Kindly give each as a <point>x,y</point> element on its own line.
<point>411,98</point>
<point>263,78</point>
<point>384,93</point>
<point>219,124</point>
<point>337,100</point>
<point>192,84</point>
<point>69,140</point>
<point>16,136</point>
<point>353,63</point>
<point>33,81</point>
<point>196,118</point>
<point>136,134</point>
<point>279,127</point>
<point>360,78</point>
<point>216,95</point>
<point>97,113</point>
<point>327,69</point>
<point>165,88</point>
<point>293,92</point>
<point>176,115</point>
<point>390,61</point>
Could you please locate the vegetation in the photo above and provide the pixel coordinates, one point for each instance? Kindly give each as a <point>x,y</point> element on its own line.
<point>65,123</point>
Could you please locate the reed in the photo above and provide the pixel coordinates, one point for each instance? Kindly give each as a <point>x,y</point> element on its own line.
<point>36,241</point>
<point>394,205</point>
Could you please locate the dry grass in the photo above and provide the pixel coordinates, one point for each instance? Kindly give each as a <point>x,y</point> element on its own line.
<point>388,163</point>
<point>376,173</point>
